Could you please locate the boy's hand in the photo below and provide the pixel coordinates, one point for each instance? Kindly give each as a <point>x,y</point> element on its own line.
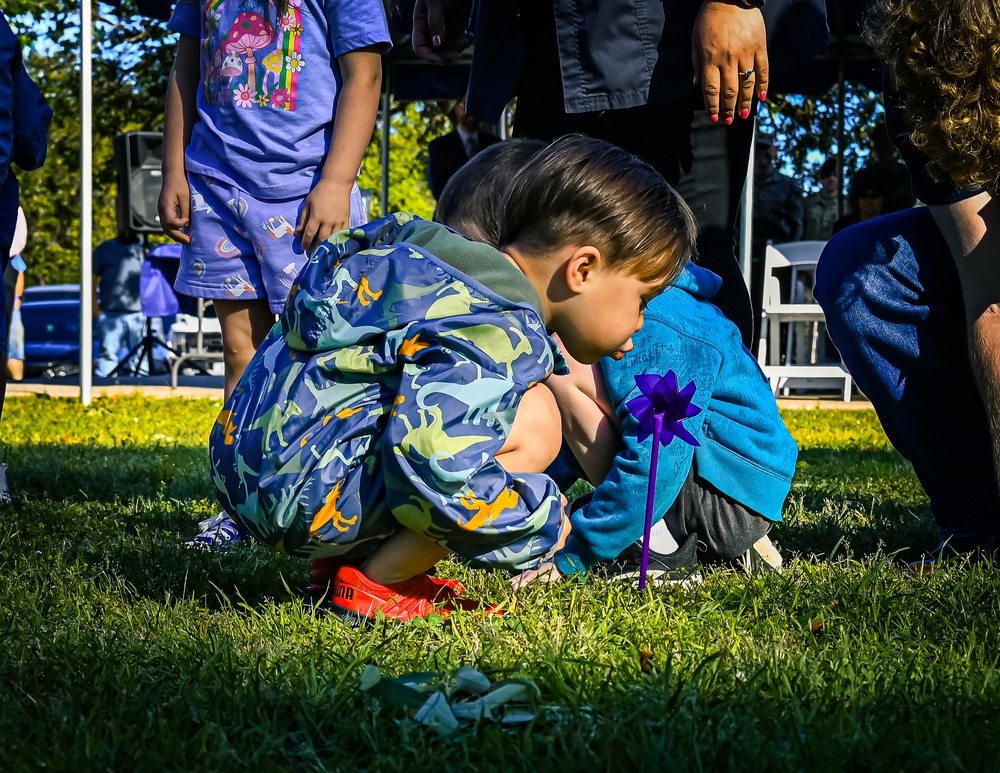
<point>546,572</point>
<point>174,207</point>
<point>327,210</point>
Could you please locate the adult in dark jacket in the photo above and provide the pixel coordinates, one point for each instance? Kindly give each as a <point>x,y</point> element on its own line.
<point>447,153</point>
<point>672,82</point>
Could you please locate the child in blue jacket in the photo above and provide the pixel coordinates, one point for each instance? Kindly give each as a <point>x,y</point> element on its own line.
<point>713,501</point>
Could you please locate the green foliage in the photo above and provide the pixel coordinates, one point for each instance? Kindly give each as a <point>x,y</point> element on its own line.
<point>132,57</point>
<point>123,650</point>
<point>806,128</point>
<point>412,127</point>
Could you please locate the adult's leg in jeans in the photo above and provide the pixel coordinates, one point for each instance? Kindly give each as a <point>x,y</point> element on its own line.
<point>111,335</point>
<point>893,305</point>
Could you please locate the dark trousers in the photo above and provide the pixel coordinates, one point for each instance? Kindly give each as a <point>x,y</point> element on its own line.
<point>893,304</point>
<point>705,162</point>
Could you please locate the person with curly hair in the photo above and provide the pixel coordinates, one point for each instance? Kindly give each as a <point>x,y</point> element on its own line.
<point>913,299</point>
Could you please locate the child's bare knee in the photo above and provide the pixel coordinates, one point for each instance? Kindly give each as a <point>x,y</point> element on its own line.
<point>536,435</point>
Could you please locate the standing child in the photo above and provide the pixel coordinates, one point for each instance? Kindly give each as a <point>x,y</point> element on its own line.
<point>392,416</point>
<point>715,501</point>
<point>269,111</point>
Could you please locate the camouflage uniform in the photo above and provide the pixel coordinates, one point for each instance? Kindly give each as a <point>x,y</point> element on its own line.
<point>380,399</point>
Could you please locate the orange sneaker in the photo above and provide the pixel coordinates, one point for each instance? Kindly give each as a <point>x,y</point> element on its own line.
<point>357,598</point>
<point>323,574</point>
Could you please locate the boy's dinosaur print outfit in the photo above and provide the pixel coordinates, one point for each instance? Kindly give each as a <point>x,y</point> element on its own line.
<point>381,397</point>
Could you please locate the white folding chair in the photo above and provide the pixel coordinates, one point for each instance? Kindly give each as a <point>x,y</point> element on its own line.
<point>799,368</point>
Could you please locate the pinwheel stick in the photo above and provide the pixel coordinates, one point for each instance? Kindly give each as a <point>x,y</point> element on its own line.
<point>650,498</point>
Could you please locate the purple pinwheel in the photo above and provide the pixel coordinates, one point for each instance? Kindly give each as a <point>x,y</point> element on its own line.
<point>660,409</point>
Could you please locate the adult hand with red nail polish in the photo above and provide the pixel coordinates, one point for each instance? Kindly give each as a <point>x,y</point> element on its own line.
<point>728,42</point>
<point>441,29</point>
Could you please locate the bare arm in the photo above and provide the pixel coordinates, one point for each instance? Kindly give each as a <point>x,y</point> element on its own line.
<point>590,426</point>
<point>179,117</point>
<point>328,205</point>
<point>728,40</point>
<point>972,230</point>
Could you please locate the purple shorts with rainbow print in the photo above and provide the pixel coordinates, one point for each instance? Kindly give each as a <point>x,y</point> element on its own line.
<point>244,248</point>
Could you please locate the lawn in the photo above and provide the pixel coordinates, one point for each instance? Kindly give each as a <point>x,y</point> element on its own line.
<point>120,649</point>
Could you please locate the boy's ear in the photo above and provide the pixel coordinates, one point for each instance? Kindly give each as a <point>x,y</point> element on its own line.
<point>581,265</point>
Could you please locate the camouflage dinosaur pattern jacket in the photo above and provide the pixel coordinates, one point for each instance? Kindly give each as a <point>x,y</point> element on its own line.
<point>379,400</point>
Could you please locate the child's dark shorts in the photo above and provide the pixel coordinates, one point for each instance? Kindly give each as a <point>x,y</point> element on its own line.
<point>726,529</point>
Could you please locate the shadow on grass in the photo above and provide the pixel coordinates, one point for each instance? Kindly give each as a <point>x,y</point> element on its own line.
<point>250,575</point>
<point>185,690</point>
<point>78,472</point>
<point>856,503</point>
<point>129,509</point>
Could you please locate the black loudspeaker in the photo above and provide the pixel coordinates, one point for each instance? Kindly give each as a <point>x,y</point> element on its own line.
<point>155,9</point>
<point>138,157</point>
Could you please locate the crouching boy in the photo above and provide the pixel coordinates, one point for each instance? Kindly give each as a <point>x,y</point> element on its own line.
<point>715,501</point>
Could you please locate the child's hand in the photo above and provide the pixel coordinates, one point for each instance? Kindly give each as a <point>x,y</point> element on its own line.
<point>546,572</point>
<point>327,210</point>
<point>174,207</point>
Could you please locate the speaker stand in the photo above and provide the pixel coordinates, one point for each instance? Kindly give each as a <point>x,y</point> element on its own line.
<point>132,362</point>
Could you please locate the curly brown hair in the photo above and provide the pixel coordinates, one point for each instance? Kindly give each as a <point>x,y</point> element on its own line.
<point>944,59</point>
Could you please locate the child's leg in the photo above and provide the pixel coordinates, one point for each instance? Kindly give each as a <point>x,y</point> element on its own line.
<point>244,255</point>
<point>244,326</point>
<point>404,555</point>
<point>535,438</point>
<point>532,445</point>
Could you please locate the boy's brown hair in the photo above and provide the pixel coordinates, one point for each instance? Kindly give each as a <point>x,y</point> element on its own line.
<point>942,57</point>
<point>470,202</point>
<point>580,190</point>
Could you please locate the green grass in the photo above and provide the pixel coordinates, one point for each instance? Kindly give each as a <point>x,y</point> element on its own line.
<point>121,650</point>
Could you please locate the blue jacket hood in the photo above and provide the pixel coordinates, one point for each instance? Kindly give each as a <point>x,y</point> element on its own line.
<point>699,282</point>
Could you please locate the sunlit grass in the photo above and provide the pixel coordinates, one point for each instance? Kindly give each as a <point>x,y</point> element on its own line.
<point>120,649</point>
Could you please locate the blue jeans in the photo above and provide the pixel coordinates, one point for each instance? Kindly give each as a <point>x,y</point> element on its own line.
<point>118,333</point>
<point>894,309</point>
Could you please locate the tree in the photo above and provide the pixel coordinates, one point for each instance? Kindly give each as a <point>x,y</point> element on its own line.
<point>806,130</point>
<point>132,59</point>
<point>412,126</point>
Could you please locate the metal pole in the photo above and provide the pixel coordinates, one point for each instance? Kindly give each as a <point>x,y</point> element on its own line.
<point>504,124</point>
<point>386,120</point>
<point>745,244</point>
<point>86,205</point>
